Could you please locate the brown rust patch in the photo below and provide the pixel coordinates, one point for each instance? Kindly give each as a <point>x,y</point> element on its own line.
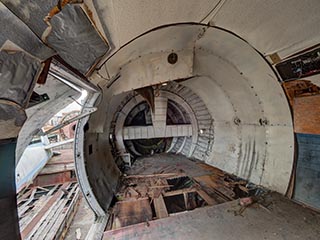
<point>299,88</point>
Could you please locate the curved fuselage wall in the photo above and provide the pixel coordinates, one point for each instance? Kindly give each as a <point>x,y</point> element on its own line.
<point>253,136</point>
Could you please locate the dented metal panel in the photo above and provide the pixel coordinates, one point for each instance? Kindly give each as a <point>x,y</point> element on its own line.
<point>18,72</point>
<point>75,39</point>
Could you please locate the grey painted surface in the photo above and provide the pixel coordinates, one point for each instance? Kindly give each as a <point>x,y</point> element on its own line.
<point>59,97</point>
<point>252,125</point>
<point>19,73</point>
<point>16,31</point>
<point>9,224</point>
<point>281,220</point>
<point>307,182</point>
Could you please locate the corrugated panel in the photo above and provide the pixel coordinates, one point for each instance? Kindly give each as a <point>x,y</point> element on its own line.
<point>307,186</point>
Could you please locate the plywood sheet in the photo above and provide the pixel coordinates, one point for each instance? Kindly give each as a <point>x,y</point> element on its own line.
<point>307,114</point>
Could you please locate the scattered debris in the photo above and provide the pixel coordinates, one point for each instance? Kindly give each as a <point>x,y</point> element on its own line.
<point>175,187</point>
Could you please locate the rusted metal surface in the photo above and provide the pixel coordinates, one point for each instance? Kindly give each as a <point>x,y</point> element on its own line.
<point>304,98</point>
<point>44,74</point>
<point>148,94</point>
<point>300,88</point>
<point>54,178</point>
<point>306,112</point>
<point>59,169</point>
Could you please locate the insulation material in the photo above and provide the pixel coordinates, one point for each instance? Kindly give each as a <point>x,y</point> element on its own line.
<point>31,12</point>
<point>75,38</point>
<point>18,73</point>
<point>22,35</point>
<point>12,118</point>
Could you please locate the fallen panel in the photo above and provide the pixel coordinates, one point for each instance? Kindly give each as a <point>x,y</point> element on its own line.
<point>75,39</point>
<point>18,73</point>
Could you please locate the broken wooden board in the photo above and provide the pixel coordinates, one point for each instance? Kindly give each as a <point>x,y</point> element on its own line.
<point>160,207</point>
<point>131,212</point>
<point>47,212</point>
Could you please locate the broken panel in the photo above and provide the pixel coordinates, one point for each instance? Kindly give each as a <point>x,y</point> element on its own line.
<point>18,73</point>
<point>167,184</point>
<point>16,31</point>
<point>75,38</point>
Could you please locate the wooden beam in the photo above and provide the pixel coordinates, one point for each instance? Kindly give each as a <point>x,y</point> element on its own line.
<point>160,207</point>
<point>207,198</point>
<point>180,191</point>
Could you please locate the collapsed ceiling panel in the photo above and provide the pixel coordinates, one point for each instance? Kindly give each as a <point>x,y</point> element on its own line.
<point>18,72</point>
<point>32,12</point>
<point>22,35</point>
<point>75,39</point>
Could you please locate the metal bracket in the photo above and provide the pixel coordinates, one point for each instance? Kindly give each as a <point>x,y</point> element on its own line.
<point>85,112</point>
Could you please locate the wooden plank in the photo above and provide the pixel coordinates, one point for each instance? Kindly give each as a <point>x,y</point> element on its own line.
<point>25,206</point>
<point>160,207</point>
<point>25,196</point>
<point>52,217</point>
<point>217,184</point>
<point>180,191</point>
<point>206,197</point>
<point>131,212</point>
<point>36,221</point>
<point>161,175</point>
<point>306,111</point>
<point>59,218</point>
<point>69,214</point>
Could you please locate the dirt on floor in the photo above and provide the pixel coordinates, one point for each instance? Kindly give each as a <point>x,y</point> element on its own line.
<point>81,222</point>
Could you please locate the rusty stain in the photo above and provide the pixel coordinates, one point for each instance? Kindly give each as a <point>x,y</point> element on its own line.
<point>89,14</point>
<point>299,88</point>
<point>55,10</point>
<point>304,98</point>
<point>44,73</point>
<point>306,112</point>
